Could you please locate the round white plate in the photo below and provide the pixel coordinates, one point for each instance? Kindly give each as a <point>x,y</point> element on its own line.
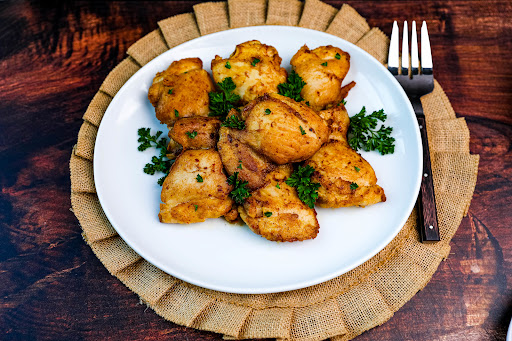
<point>231,258</point>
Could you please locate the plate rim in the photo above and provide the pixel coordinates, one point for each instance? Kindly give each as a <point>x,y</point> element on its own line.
<point>281,288</point>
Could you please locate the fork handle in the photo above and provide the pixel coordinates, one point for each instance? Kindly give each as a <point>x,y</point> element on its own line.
<point>427,213</point>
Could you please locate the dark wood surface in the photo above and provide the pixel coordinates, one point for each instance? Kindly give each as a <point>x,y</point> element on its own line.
<point>54,56</point>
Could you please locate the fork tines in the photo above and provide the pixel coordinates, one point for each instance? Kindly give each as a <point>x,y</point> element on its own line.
<point>426,56</point>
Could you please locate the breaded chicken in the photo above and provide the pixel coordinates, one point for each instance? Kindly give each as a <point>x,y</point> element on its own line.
<point>239,157</point>
<point>196,132</point>
<point>181,91</point>
<point>281,129</point>
<point>195,189</point>
<point>323,69</point>
<point>254,67</point>
<point>277,213</point>
<point>337,120</point>
<point>337,167</point>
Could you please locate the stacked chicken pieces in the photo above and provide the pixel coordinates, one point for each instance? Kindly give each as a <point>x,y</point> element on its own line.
<point>279,131</point>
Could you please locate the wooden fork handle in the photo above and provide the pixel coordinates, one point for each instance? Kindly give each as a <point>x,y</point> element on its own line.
<point>427,213</point>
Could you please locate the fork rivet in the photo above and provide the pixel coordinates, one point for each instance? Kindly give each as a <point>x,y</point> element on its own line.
<point>421,127</point>
<point>425,175</point>
<point>431,227</point>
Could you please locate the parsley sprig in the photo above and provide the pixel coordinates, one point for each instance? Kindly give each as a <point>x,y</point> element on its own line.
<point>363,134</point>
<point>239,192</point>
<point>301,180</point>
<point>235,122</point>
<point>222,102</point>
<point>292,87</point>
<point>158,163</point>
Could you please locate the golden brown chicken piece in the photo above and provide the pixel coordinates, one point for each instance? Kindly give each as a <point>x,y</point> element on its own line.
<point>181,91</point>
<point>239,157</point>
<point>254,67</point>
<point>277,213</point>
<point>338,167</point>
<point>196,132</point>
<point>281,129</point>
<point>195,189</point>
<point>323,69</point>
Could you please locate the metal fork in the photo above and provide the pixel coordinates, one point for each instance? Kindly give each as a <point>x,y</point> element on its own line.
<point>417,80</point>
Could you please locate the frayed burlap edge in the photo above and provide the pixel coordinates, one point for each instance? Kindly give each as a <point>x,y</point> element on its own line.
<point>341,308</point>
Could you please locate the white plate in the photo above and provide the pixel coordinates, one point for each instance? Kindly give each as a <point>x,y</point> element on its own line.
<point>231,258</point>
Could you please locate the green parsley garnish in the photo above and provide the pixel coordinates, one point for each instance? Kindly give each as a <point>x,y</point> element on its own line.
<point>292,87</point>
<point>278,185</point>
<point>176,113</point>
<point>337,56</point>
<point>302,131</point>
<point>239,192</point>
<point>158,163</point>
<point>353,186</point>
<point>195,207</point>
<point>267,111</point>
<point>301,180</point>
<point>362,132</point>
<point>255,61</point>
<point>343,101</point>
<point>222,102</point>
<point>234,121</point>
<point>324,64</point>
<point>227,66</point>
<point>239,164</point>
<point>307,103</point>
<point>267,214</point>
<point>170,91</point>
<point>199,178</point>
<point>192,134</point>
<point>357,168</point>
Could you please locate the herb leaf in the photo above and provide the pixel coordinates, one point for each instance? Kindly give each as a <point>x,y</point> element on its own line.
<point>158,163</point>
<point>255,61</point>
<point>222,102</point>
<point>292,87</point>
<point>354,186</point>
<point>267,214</point>
<point>170,91</point>
<point>363,134</point>
<point>357,169</point>
<point>195,207</point>
<point>199,178</point>
<point>302,131</point>
<point>176,113</point>
<point>227,65</point>
<point>239,192</point>
<point>324,64</point>
<point>337,56</point>
<point>301,180</point>
<point>191,134</point>
<point>267,111</point>
<point>234,121</point>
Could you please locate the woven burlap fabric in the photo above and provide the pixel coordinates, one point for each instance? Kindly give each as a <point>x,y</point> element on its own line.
<point>341,308</point>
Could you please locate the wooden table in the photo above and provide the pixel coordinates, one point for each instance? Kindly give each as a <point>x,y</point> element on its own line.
<point>53,59</point>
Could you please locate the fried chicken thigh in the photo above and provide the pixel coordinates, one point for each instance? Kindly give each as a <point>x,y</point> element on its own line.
<point>323,69</point>
<point>196,132</point>
<point>278,214</point>
<point>281,129</point>
<point>239,157</point>
<point>195,189</point>
<point>254,67</point>
<point>337,166</point>
<point>181,91</point>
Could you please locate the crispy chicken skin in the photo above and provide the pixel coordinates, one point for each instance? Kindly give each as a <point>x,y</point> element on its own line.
<point>181,91</point>
<point>323,74</point>
<point>207,129</point>
<point>290,219</point>
<point>252,78</point>
<point>182,192</point>
<point>335,168</point>
<point>281,129</point>
<point>239,157</point>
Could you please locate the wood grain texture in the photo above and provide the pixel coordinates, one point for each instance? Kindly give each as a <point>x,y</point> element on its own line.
<point>54,57</point>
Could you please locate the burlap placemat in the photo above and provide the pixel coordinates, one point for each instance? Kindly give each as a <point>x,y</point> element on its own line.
<point>341,308</point>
